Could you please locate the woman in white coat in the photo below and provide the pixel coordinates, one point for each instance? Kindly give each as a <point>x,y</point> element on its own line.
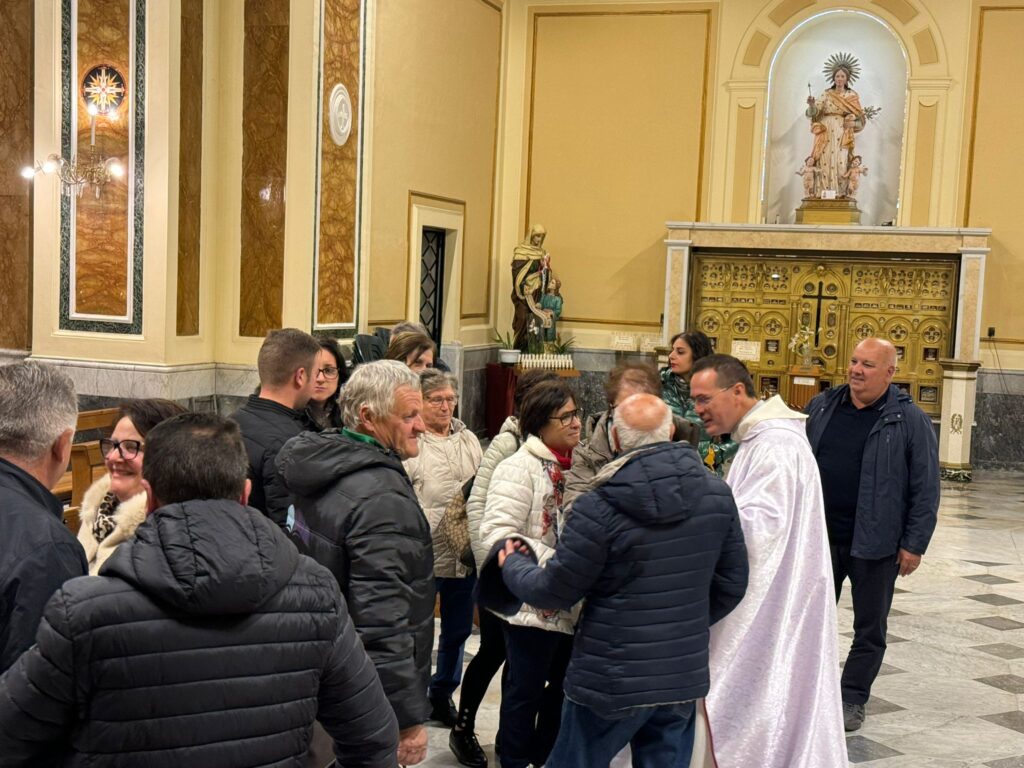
<point>524,500</point>
<point>449,456</point>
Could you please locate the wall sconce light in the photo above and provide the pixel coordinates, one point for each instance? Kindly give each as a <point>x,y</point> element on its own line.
<point>103,90</point>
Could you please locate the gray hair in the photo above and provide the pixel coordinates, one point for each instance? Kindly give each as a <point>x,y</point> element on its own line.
<point>630,437</point>
<point>432,380</point>
<point>37,405</point>
<point>374,386</point>
<point>407,326</point>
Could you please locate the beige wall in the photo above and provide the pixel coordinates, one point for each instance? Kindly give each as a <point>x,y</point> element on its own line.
<point>434,119</point>
<point>615,140</point>
<point>993,195</point>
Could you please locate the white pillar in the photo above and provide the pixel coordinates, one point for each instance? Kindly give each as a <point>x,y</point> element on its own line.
<point>959,386</point>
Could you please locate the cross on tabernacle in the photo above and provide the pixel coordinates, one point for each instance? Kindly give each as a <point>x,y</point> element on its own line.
<point>817,315</point>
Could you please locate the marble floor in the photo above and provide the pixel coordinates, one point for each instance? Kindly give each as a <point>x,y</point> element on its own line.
<point>951,692</point>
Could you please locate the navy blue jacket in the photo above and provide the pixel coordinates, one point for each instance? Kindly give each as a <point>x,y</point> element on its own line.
<point>898,499</point>
<point>37,555</point>
<point>658,553</point>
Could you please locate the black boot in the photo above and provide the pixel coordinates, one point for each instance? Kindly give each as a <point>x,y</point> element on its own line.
<point>442,709</point>
<point>464,745</point>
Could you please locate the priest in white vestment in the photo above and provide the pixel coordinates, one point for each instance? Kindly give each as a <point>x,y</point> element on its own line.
<point>774,700</point>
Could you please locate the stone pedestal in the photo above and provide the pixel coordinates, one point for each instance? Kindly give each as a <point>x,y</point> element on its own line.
<point>959,385</point>
<point>815,211</point>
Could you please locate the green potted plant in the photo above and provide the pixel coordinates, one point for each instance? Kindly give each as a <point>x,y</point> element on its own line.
<point>507,352</point>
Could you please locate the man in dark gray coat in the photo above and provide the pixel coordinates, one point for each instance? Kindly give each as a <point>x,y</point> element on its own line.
<point>38,409</point>
<point>206,641</point>
<point>357,513</point>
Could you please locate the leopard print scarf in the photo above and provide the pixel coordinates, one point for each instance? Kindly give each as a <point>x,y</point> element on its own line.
<point>105,521</point>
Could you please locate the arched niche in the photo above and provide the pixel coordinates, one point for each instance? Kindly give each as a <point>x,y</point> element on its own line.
<point>923,198</point>
<point>796,72</point>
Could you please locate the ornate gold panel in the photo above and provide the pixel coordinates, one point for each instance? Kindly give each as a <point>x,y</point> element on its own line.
<point>766,298</point>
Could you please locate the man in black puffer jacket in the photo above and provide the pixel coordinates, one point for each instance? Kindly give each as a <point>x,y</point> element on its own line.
<point>657,551</point>
<point>356,513</point>
<point>206,641</point>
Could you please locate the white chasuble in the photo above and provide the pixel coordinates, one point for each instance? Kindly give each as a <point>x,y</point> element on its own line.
<point>775,699</point>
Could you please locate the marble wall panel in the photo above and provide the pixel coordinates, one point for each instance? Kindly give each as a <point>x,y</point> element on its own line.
<point>336,289</point>
<point>16,110</point>
<point>472,403</point>
<point>998,438</point>
<point>101,260</point>
<point>264,160</point>
<point>190,166</point>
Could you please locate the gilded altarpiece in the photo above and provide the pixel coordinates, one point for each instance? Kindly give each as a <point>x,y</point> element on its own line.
<point>763,299</point>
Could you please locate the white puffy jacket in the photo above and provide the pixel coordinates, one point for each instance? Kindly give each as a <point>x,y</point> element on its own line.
<point>520,502</point>
<point>504,444</point>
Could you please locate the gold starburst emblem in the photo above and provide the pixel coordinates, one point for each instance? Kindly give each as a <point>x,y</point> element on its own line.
<point>103,89</point>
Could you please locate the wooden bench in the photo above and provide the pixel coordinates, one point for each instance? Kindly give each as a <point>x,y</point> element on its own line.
<point>86,463</point>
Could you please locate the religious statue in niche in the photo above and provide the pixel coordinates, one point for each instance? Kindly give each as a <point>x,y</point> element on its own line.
<point>532,280</point>
<point>833,169</point>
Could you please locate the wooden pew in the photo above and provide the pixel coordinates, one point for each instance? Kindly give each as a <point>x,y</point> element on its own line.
<point>86,463</point>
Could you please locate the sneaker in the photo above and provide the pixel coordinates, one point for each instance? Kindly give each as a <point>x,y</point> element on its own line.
<point>443,710</point>
<point>466,749</point>
<point>853,716</point>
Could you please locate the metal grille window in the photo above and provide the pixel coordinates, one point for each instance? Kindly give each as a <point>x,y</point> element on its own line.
<point>432,281</point>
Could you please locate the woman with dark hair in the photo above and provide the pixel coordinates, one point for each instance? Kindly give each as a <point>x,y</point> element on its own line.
<point>415,349</point>
<point>687,348</point>
<point>115,505</point>
<point>524,501</point>
<point>330,374</point>
<point>491,653</point>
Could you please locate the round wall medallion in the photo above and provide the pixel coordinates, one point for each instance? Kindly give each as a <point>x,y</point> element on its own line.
<point>103,89</point>
<point>339,114</point>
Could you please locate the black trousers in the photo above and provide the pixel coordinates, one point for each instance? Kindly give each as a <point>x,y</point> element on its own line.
<point>531,711</point>
<point>481,669</point>
<point>871,585</point>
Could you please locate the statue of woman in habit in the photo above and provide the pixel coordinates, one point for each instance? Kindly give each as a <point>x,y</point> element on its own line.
<point>836,117</point>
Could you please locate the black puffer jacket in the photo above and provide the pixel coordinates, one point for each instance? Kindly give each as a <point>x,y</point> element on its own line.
<point>358,515</point>
<point>266,426</point>
<point>37,555</point>
<point>657,551</point>
<point>208,642</point>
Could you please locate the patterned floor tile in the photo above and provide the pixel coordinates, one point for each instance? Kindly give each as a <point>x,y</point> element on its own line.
<point>1002,650</point>
<point>1012,720</point>
<point>986,563</point>
<point>990,578</point>
<point>889,639</point>
<point>965,516</point>
<point>1008,683</point>
<point>861,749</point>
<point>897,612</point>
<point>998,622</point>
<point>993,599</point>
<point>1007,762</point>
<point>878,706</point>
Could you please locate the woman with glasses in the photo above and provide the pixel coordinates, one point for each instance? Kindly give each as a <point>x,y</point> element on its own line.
<point>115,505</point>
<point>448,458</point>
<point>687,348</point>
<point>329,375</point>
<point>524,500</point>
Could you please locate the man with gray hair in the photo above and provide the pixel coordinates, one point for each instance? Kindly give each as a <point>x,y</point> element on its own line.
<point>38,411</point>
<point>656,551</point>
<point>357,514</point>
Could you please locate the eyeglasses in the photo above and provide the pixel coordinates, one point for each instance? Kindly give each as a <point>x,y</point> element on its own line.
<point>702,401</point>
<point>329,372</point>
<point>565,419</point>
<point>128,449</point>
<point>437,402</point>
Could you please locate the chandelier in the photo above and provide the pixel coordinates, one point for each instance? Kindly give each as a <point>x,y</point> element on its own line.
<point>103,90</point>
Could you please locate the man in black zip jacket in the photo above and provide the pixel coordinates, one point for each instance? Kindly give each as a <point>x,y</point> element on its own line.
<point>205,641</point>
<point>879,465</point>
<point>274,415</point>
